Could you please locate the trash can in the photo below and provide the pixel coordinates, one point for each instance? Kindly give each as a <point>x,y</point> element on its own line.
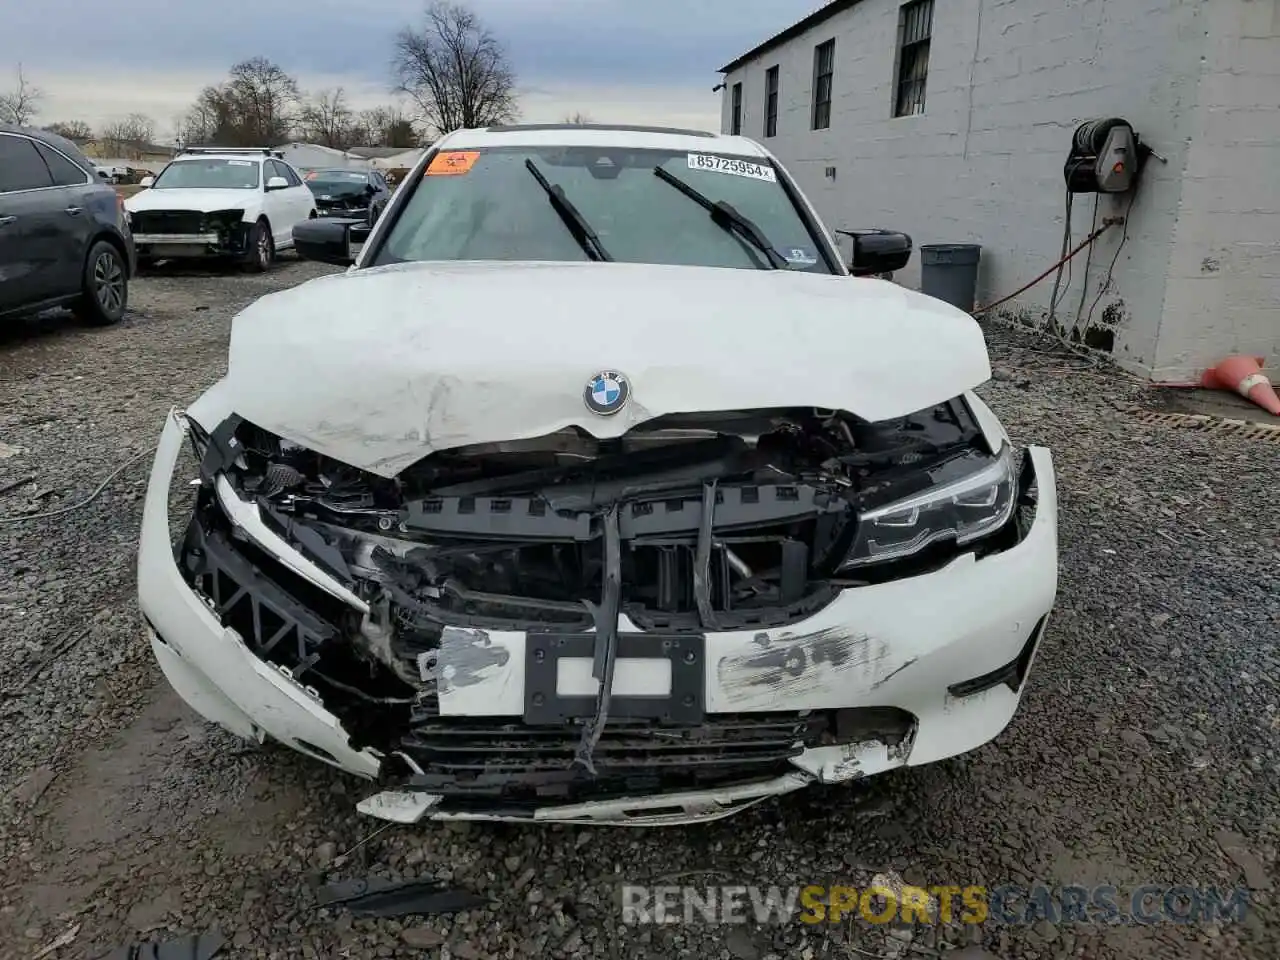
<point>949,271</point>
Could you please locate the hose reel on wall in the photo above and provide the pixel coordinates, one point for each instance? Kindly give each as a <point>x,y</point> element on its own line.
<point>1106,156</point>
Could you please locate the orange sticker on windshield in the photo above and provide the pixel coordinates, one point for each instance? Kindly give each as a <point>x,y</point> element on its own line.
<point>452,164</point>
<point>311,175</point>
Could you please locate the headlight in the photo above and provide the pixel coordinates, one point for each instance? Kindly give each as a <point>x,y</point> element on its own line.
<point>962,509</point>
<point>223,218</point>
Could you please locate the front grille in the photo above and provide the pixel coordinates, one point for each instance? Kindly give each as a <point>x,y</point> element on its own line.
<point>168,221</point>
<point>489,757</point>
<point>343,204</point>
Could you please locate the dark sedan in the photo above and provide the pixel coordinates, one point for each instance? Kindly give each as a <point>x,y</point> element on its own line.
<point>64,234</point>
<point>350,194</point>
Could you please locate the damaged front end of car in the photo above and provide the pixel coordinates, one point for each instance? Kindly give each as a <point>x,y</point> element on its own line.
<point>567,620</point>
<point>191,233</point>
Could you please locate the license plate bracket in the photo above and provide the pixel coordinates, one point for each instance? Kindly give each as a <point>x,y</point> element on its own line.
<point>685,704</point>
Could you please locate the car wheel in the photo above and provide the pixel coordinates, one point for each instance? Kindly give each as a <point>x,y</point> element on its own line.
<point>262,250</point>
<point>104,293</point>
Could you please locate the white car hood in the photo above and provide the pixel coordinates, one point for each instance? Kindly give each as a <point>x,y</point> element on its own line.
<point>204,201</point>
<point>379,367</point>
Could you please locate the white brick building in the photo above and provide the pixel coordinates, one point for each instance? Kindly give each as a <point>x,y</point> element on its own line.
<point>978,155</point>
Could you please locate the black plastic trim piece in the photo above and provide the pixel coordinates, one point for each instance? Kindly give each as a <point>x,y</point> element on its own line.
<point>684,706</point>
<point>525,518</point>
<point>604,643</point>
<point>228,580</point>
<point>530,518</point>
<point>1013,674</point>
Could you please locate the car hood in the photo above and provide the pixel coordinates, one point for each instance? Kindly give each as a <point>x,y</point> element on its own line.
<point>379,367</point>
<point>205,201</point>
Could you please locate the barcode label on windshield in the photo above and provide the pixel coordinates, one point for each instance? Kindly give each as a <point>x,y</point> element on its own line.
<point>739,168</point>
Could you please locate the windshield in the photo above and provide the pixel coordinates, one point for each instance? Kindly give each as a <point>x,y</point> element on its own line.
<point>209,174</point>
<point>488,205</point>
<point>336,181</point>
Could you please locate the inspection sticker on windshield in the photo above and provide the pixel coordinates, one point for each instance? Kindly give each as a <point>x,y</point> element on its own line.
<point>240,163</point>
<point>452,164</point>
<point>739,168</point>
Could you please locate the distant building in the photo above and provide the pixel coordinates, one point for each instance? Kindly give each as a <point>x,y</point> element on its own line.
<point>376,153</point>
<point>138,154</point>
<point>399,158</point>
<point>312,156</point>
<point>953,120</point>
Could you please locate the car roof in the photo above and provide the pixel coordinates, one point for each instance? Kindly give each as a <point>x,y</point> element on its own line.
<point>230,155</point>
<point>600,135</point>
<point>363,173</point>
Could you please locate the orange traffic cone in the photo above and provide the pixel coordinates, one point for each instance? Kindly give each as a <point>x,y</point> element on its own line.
<point>1244,376</point>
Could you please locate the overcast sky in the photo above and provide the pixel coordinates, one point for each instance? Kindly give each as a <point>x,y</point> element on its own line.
<point>623,61</point>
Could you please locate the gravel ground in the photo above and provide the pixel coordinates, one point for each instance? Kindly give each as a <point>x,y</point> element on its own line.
<point>1144,752</point>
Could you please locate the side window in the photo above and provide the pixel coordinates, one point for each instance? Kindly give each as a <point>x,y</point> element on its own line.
<point>289,174</point>
<point>271,169</point>
<point>65,173</point>
<point>20,165</point>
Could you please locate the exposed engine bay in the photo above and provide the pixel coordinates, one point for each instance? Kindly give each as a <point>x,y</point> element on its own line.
<point>687,524</point>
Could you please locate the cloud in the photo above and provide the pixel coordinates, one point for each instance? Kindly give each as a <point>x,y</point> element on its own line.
<point>614,59</point>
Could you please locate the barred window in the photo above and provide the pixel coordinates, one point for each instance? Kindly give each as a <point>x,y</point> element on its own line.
<point>771,102</point>
<point>915,27</point>
<point>824,64</point>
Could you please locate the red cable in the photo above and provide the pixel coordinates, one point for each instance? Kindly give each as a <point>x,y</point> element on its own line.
<point>1083,243</point>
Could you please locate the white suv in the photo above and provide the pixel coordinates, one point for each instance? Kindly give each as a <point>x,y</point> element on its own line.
<point>239,204</point>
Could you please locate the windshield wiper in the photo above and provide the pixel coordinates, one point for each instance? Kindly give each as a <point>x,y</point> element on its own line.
<point>574,220</point>
<point>727,217</point>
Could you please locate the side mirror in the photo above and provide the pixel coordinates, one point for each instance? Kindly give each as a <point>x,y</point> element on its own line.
<point>877,251</point>
<point>325,241</point>
<point>277,183</point>
<point>146,182</point>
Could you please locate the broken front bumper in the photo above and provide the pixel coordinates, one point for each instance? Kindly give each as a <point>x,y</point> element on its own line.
<point>948,650</point>
<point>160,246</point>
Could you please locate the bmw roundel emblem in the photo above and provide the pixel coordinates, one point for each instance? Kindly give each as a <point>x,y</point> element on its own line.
<point>606,393</point>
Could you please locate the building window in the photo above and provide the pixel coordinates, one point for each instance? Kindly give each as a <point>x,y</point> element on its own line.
<point>824,63</point>
<point>735,124</point>
<point>771,102</point>
<point>915,26</point>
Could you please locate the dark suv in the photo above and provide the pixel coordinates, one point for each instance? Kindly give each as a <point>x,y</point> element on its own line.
<point>64,234</point>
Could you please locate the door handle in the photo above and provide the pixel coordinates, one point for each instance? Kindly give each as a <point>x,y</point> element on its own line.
<point>75,211</point>
<point>5,221</point>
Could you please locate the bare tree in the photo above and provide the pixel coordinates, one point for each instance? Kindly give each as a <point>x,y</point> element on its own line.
<point>384,127</point>
<point>253,108</point>
<point>76,130</point>
<point>263,98</point>
<point>577,118</point>
<point>400,133</point>
<point>208,120</point>
<point>128,138</point>
<point>328,121</point>
<point>21,105</point>
<point>455,70</point>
